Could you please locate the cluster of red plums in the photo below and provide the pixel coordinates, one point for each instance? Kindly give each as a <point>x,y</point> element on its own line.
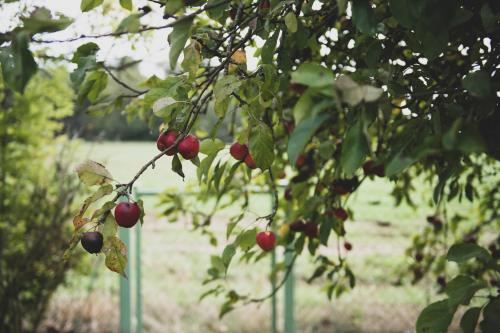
<point>126,215</point>
<point>240,152</point>
<point>188,147</point>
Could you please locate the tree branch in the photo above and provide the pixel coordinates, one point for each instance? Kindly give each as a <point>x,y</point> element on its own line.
<point>278,286</point>
<point>143,29</point>
<point>121,83</point>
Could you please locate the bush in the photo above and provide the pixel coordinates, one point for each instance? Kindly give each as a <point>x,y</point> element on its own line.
<point>36,196</point>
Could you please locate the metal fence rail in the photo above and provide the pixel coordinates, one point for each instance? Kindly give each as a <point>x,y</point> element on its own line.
<point>131,288</point>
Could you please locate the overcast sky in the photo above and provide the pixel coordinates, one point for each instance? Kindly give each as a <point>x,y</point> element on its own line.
<point>153,50</point>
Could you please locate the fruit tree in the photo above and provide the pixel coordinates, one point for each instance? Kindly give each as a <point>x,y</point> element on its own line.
<point>343,91</point>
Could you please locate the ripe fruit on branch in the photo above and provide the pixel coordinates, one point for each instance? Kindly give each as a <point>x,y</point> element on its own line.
<point>300,161</point>
<point>266,240</point>
<point>238,151</point>
<point>165,140</point>
<point>297,88</point>
<point>288,194</point>
<point>92,241</point>
<point>436,222</point>
<point>347,246</point>
<point>127,214</point>
<point>345,186</point>
<point>189,147</point>
<point>340,213</point>
<point>264,5</point>
<point>371,168</point>
<point>311,229</point>
<point>232,13</point>
<point>289,126</point>
<point>249,162</point>
<point>441,280</point>
<point>298,226</point>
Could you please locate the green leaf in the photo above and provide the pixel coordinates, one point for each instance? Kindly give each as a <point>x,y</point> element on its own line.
<point>85,64</point>
<point>291,22</point>
<point>354,148</point>
<point>218,264</point>
<point>173,6</point>
<point>303,107</point>
<point>342,6</point>
<point>177,39</point>
<point>398,164</point>
<point>491,319</point>
<point>131,23</point>
<point>228,254</point>
<point>403,11</point>
<point>490,20</point>
<point>469,320</point>
<point>85,50</point>
<point>202,171</point>
<point>87,5</point>
<point>462,252</point>
<point>177,166</point>
<point>223,88</point>
<point>105,208</point>
<point>261,146</point>
<point>211,146</point>
<point>142,211</point>
<point>93,86</point>
<point>41,20</point>
<point>18,64</point>
<point>226,308</point>
<point>269,48</point>
<point>246,239</point>
<point>93,173</point>
<point>127,4</point>
<point>363,17</point>
<point>477,84</point>
<point>116,255</point>
<point>313,75</point>
<point>435,318</point>
<point>101,192</point>
<point>302,134</point>
<point>109,228</point>
<point>461,289</point>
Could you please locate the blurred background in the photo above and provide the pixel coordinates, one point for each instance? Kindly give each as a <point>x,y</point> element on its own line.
<point>43,136</point>
<point>82,296</point>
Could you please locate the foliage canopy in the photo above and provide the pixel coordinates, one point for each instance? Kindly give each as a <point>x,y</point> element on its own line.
<point>407,88</point>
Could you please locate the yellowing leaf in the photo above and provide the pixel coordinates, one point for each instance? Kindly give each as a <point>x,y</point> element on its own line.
<point>79,222</point>
<point>239,57</point>
<point>93,173</point>
<point>192,58</point>
<point>116,255</point>
<point>353,93</point>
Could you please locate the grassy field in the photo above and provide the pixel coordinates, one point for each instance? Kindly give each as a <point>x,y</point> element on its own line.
<point>175,260</point>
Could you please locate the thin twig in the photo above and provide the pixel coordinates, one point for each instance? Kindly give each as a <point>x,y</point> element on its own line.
<point>121,33</point>
<point>123,84</point>
<point>232,36</point>
<point>289,268</point>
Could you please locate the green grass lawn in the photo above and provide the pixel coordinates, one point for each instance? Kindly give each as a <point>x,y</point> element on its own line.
<point>175,259</point>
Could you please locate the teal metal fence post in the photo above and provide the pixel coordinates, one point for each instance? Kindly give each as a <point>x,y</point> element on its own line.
<point>125,294</point>
<point>289,296</point>
<point>138,272</point>
<point>274,328</point>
